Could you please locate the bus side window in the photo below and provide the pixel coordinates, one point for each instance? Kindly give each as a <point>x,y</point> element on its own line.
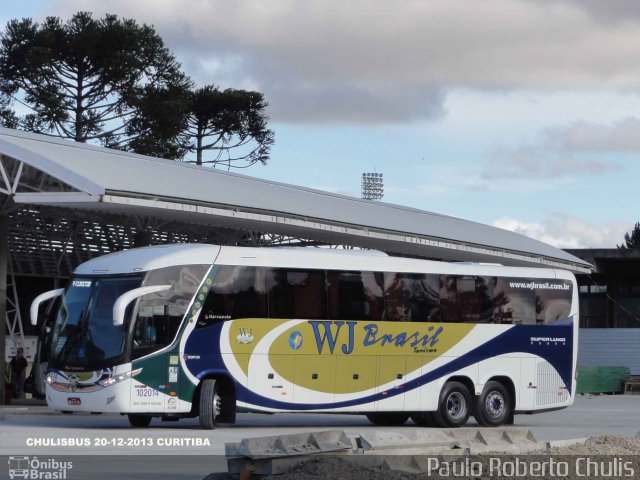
<point>249,294</point>
<point>450,310</point>
<point>160,314</point>
<point>485,287</point>
<point>396,296</point>
<point>514,301</point>
<point>553,304</point>
<point>236,292</point>
<point>475,295</point>
<point>411,297</point>
<point>373,283</point>
<point>296,293</point>
<point>355,295</point>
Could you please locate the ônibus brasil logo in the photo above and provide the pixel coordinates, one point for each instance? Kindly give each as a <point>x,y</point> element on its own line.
<point>35,468</point>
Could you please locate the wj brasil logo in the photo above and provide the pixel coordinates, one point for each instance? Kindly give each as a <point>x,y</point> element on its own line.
<point>327,333</point>
<point>245,336</point>
<point>34,468</point>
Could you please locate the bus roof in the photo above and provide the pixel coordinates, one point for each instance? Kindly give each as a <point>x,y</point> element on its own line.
<point>151,258</point>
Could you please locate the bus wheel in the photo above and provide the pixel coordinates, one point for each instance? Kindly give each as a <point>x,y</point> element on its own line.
<point>388,419</point>
<point>210,404</point>
<point>454,407</point>
<point>423,419</point>
<point>494,405</point>
<point>138,420</point>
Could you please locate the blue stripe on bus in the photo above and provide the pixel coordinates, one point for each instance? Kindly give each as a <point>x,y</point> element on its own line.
<point>517,339</point>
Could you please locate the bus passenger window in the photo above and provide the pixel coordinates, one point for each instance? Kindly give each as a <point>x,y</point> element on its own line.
<point>411,297</point>
<point>449,299</point>
<point>475,297</point>
<point>236,292</point>
<point>485,287</point>
<point>296,293</point>
<point>553,300</point>
<point>514,301</point>
<point>355,295</point>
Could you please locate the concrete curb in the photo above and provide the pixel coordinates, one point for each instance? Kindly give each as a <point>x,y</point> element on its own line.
<point>515,449</point>
<point>566,443</point>
<point>397,450</point>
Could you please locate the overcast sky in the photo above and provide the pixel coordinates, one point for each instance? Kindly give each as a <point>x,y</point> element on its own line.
<point>523,114</point>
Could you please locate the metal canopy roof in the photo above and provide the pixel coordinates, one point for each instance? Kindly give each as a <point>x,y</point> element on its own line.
<point>42,172</point>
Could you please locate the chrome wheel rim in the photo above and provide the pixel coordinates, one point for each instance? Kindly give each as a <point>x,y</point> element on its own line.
<point>495,404</point>
<point>216,405</point>
<point>456,405</point>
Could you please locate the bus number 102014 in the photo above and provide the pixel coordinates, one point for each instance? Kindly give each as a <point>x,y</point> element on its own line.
<point>147,392</point>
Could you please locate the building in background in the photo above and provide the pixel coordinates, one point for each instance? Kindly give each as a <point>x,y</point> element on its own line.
<point>610,295</point>
<point>609,309</point>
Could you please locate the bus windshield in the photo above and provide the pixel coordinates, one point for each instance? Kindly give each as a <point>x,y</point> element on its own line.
<point>84,333</point>
<point>84,336</point>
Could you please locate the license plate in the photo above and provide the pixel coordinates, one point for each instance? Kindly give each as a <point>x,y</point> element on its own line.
<point>74,401</point>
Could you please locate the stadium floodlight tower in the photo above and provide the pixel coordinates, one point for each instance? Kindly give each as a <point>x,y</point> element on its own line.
<point>372,186</point>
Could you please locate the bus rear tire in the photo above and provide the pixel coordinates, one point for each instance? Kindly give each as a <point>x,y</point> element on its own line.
<point>454,407</point>
<point>494,406</point>
<point>210,404</point>
<point>139,421</point>
<point>388,419</point>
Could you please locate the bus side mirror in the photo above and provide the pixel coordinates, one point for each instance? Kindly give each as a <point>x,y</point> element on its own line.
<point>125,299</point>
<point>43,297</point>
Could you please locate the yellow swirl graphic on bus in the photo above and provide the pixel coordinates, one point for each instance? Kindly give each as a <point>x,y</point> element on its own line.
<point>336,356</point>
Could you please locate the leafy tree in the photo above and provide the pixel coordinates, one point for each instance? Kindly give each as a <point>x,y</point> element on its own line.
<point>632,239</point>
<point>229,124</point>
<point>114,82</point>
<point>159,125</point>
<point>83,79</point>
<point>8,118</point>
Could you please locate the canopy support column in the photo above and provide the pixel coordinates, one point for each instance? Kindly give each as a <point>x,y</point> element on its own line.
<point>4,261</point>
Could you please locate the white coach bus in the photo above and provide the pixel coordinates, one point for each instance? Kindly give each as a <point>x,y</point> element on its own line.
<point>201,330</point>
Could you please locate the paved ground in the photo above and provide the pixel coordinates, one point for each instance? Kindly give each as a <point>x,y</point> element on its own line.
<point>35,431</point>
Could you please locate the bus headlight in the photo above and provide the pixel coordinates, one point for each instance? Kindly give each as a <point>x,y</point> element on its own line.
<point>121,377</point>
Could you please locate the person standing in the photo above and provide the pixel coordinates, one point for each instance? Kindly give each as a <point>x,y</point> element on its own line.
<point>18,373</point>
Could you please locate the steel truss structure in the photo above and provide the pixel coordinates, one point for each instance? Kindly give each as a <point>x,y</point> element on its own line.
<point>15,327</point>
<point>51,242</point>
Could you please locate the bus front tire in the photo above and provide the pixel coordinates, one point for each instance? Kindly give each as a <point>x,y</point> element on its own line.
<point>388,419</point>
<point>494,405</point>
<point>210,404</point>
<point>138,420</point>
<point>454,407</point>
